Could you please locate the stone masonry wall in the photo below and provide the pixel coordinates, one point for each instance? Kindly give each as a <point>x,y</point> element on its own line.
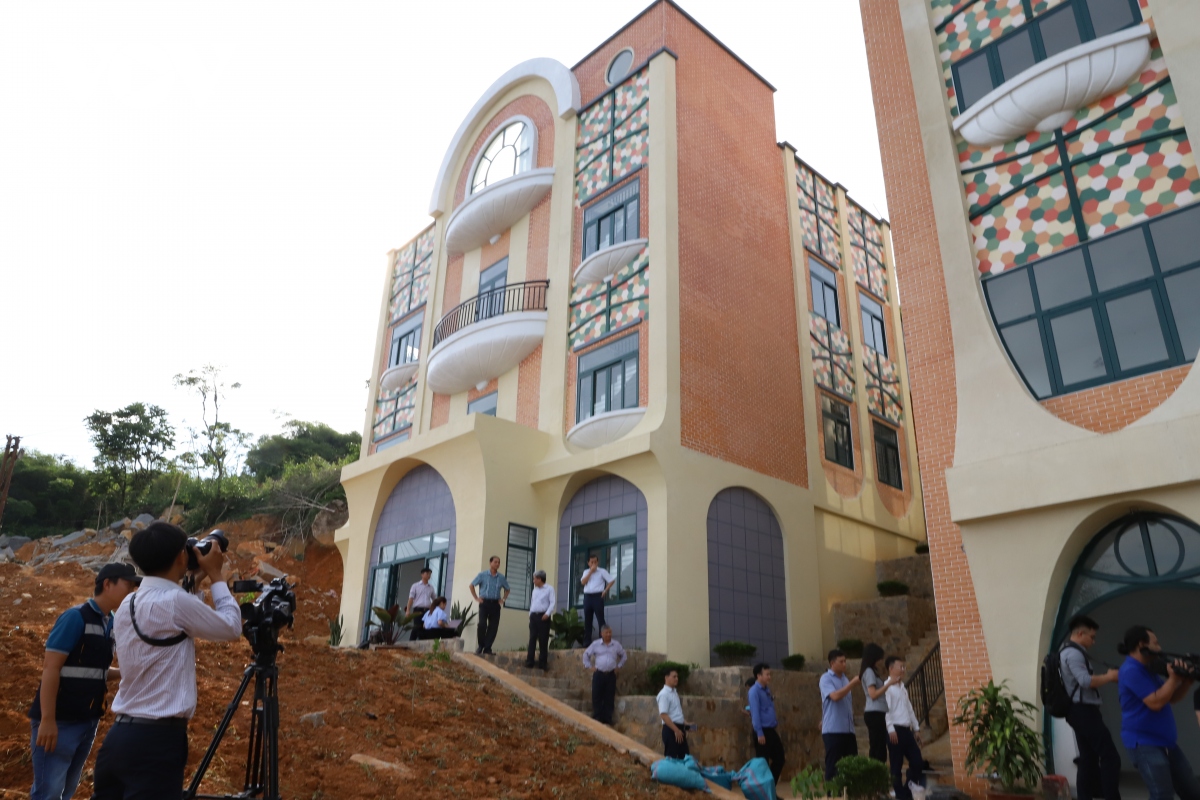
<point>894,623</point>
<point>913,570</point>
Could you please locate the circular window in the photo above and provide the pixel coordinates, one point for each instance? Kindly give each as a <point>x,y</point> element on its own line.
<point>619,67</point>
<point>509,153</point>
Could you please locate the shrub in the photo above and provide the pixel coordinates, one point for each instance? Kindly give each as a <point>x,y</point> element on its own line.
<point>336,631</point>
<point>659,671</point>
<point>892,588</point>
<point>1000,740</point>
<point>735,650</point>
<point>794,662</point>
<point>568,629</point>
<point>923,549</point>
<point>809,783</point>
<point>862,778</point>
<point>853,648</point>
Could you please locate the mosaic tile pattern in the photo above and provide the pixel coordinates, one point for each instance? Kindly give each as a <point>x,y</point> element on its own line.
<point>1124,187</point>
<point>1157,112</point>
<point>942,10</point>
<point>989,183</point>
<point>833,365</point>
<point>877,281</point>
<point>1042,6</point>
<point>971,156</point>
<point>613,138</point>
<point>976,26</point>
<point>808,230</point>
<point>599,308</point>
<point>819,224</point>
<point>883,387</point>
<point>410,276</point>
<point>1154,72</point>
<point>394,410</point>
<point>1031,224</point>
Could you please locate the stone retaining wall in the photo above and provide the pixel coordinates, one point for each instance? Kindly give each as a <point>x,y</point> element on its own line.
<point>895,623</point>
<point>913,570</point>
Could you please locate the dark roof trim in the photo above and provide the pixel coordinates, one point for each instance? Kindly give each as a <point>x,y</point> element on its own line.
<point>634,70</point>
<point>690,19</point>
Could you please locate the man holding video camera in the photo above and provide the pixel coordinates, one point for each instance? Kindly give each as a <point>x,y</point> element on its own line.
<point>145,752</point>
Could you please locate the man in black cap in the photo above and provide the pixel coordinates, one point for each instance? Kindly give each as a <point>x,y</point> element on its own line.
<point>70,700</point>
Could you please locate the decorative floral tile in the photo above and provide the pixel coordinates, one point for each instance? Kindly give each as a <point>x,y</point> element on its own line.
<point>807,201</point>
<point>825,194</point>
<point>1157,112</point>
<point>425,244</point>
<point>855,215</point>
<point>808,229</point>
<point>988,183</point>
<point>420,290</point>
<point>878,281</point>
<point>941,10</point>
<point>595,122</point>
<point>639,120</point>
<point>883,386</point>
<point>1030,224</point>
<point>598,308</point>
<point>594,178</point>
<point>394,410</point>
<point>604,154</point>
<point>858,257</point>
<point>833,367</point>
<point>1124,187</point>
<point>1042,6</point>
<point>804,178</point>
<point>976,26</point>
<point>831,243</point>
<point>970,156</point>
<point>631,154</point>
<point>590,152</point>
<point>633,92</point>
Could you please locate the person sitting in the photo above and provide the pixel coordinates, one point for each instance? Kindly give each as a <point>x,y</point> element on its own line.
<point>437,623</point>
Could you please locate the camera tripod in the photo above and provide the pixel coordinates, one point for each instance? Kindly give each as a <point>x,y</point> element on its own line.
<point>262,757</point>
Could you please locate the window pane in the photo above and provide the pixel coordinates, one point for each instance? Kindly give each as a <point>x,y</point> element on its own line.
<point>1120,259</point>
<point>625,582</point>
<point>880,337</point>
<point>631,219</point>
<point>1175,239</point>
<point>591,239</point>
<point>974,80</point>
<point>1024,343</point>
<point>585,398</point>
<point>818,296</point>
<point>483,405</point>
<point>1109,15</point>
<point>578,567</point>
<point>1059,31</point>
<point>620,527</point>
<point>591,532</point>
<point>1016,54</point>
<point>631,383</point>
<point>441,540</point>
<point>616,387</point>
<point>1009,296</point>
<point>831,305</point>
<point>1136,330</point>
<point>521,536</point>
<point>618,226</point>
<point>387,553</point>
<point>601,391</point>
<point>1061,280</point>
<point>1183,291</point>
<point>606,232</point>
<point>1077,346</point>
<point>379,591</point>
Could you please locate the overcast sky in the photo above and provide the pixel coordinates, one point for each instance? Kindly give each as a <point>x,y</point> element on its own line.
<point>219,182</point>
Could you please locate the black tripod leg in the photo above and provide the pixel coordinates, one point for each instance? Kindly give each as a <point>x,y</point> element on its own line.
<point>209,754</point>
<point>271,719</point>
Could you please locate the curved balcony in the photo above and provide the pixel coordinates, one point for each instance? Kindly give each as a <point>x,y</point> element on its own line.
<point>602,264</point>
<point>487,336</point>
<point>604,428</point>
<point>491,211</point>
<point>1047,95</point>
<point>395,377</point>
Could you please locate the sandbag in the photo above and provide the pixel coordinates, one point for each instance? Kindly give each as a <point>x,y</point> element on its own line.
<point>756,780</point>
<point>681,772</point>
<point>718,775</point>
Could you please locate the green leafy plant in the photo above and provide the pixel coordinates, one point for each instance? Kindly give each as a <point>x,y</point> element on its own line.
<point>567,628</point>
<point>794,662</point>
<point>659,671</point>
<point>923,549</point>
<point>892,588</point>
<point>733,649</point>
<point>336,631</point>
<point>388,630</point>
<point>1001,742</point>
<point>464,611</point>
<point>853,648</point>
<point>861,778</point>
<point>809,783</point>
<point>439,653</point>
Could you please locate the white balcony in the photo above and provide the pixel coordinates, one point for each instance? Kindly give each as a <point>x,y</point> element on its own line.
<point>395,377</point>
<point>605,427</point>
<point>491,211</point>
<point>1047,95</point>
<point>603,264</point>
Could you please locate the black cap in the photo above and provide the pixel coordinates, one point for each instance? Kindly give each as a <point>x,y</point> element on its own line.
<point>119,570</point>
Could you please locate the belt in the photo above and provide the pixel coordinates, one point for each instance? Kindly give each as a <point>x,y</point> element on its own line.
<point>489,599</point>
<point>172,722</point>
<point>593,594</point>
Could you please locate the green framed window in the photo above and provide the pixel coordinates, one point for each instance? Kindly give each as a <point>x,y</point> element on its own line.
<point>887,455</point>
<point>612,220</point>
<point>835,419</point>
<point>1110,309</point>
<point>608,378</point>
<point>824,292</point>
<point>406,342</point>
<point>483,405</point>
<point>615,542</point>
<point>399,567</point>
<point>874,331</point>
<point>519,561</point>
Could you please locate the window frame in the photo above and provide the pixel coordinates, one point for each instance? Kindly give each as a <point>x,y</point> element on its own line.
<point>826,285</point>
<point>620,543</point>
<point>611,206</point>
<point>878,328</point>
<point>473,405</point>
<point>884,448</point>
<point>613,62</point>
<point>499,131</point>
<point>631,353</point>
<point>829,418</point>
<point>514,599</point>
<point>409,328</point>
<point>389,568</point>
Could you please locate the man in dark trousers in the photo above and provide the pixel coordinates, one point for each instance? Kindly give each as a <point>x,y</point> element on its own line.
<point>596,583</point>
<point>420,600</point>
<point>492,594</point>
<point>145,751</point>
<point>70,699</point>
<point>767,745</point>
<point>837,713</point>
<point>604,657</point>
<point>1099,762</point>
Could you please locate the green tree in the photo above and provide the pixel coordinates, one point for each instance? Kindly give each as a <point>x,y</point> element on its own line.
<point>300,442</point>
<point>53,495</point>
<point>131,446</point>
<point>217,443</point>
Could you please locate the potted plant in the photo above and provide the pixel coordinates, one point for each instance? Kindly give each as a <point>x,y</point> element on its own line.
<point>1001,742</point>
<point>734,654</point>
<point>659,671</point>
<point>567,628</point>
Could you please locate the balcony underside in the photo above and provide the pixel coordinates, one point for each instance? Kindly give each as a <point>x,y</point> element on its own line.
<point>606,427</point>
<point>484,350</point>
<point>491,211</point>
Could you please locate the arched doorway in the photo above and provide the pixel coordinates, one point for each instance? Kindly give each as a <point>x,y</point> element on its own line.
<point>747,588</point>
<point>415,530</point>
<point>1143,568</point>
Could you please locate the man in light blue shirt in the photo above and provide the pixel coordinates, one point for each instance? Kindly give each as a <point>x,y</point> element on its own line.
<point>837,713</point>
<point>491,583</point>
<point>767,743</point>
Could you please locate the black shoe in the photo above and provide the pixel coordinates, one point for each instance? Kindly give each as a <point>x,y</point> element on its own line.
<point>478,651</point>
<point>488,653</point>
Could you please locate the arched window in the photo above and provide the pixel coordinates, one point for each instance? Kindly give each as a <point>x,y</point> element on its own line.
<point>509,153</point>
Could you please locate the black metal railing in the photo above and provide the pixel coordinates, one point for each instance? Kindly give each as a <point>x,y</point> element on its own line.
<point>527,296</point>
<point>925,684</point>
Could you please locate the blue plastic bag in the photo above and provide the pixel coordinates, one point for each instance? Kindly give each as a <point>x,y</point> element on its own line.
<point>718,775</point>
<point>681,772</point>
<point>756,780</point>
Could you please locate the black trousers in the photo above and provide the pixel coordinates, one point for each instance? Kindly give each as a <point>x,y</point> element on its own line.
<point>439,633</point>
<point>604,695</point>
<point>593,607</point>
<point>837,747</point>
<point>906,748</point>
<point>418,628</point>
<point>1099,762</point>
<point>877,729</point>
<point>489,624</point>
<point>141,762</point>
<point>539,637</point>
<point>672,748</point>
<point>772,751</point>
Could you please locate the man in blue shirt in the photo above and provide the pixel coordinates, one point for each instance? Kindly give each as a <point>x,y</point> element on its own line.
<point>1147,722</point>
<point>70,699</point>
<point>837,713</point>
<point>767,743</point>
<point>491,583</point>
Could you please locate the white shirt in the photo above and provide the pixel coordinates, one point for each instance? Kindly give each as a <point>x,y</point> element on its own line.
<point>422,594</point>
<point>668,703</point>
<point>542,601</point>
<point>900,711</point>
<point>596,583</point>
<point>434,618</point>
<point>160,682</point>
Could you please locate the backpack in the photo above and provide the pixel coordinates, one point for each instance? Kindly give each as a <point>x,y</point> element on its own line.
<point>1055,697</point>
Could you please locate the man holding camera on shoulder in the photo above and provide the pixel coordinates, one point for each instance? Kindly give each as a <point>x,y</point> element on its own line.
<point>145,752</point>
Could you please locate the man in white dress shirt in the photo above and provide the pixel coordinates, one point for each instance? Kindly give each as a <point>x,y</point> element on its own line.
<point>902,727</point>
<point>541,609</point>
<point>420,600</point>
<point>670,711</point>
<point>596,583</point>
<point>145,751</point>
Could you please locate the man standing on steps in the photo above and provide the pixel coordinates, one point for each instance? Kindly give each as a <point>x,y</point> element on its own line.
<point>420,601</point>
<point>670,711</point>
<point>837,713</point>
<point>541,609</point>
<point>596,583</point>
<point>1099,762</point>
<point>490,582</point>
<point>768,745</point>
<point>902,727</point>
<point>604,657</point>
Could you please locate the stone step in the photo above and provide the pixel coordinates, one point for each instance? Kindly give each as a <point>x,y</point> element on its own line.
<point>546,684</point>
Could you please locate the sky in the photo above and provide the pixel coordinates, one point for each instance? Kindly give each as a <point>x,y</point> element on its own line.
<point>185,184</point>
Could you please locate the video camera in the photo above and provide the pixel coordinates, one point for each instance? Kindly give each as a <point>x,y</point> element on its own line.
<point>1190,661</point>
<point>264,617</point>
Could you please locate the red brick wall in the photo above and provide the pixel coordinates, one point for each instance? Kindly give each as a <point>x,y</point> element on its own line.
<point>929,346</point>
<point>528,105</point>
<point>1111,407</point>
<point>645,35</point>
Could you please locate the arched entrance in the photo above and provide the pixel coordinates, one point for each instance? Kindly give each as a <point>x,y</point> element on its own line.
<point>415,530</point>
<point>1141,569</point>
